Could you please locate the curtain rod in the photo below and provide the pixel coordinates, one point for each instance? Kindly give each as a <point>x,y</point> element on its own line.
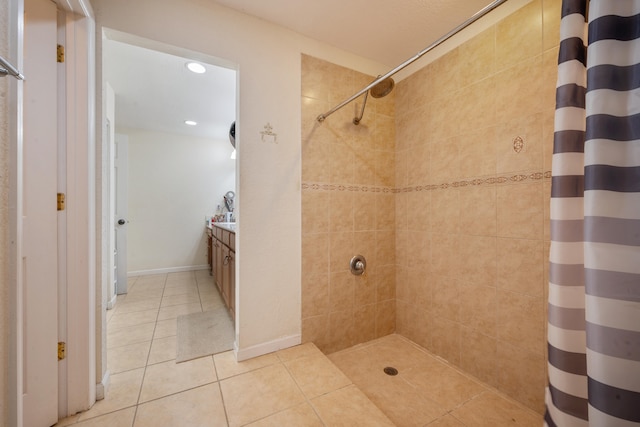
<point>482,12</point>
<point>7,68</point>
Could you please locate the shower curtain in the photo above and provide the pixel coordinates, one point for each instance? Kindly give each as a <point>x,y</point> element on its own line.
<point>594,280</point>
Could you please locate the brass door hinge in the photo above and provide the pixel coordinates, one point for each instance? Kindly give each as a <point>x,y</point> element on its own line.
<point>60,201</point>
<point>62,350</point>
<point>60,53</point>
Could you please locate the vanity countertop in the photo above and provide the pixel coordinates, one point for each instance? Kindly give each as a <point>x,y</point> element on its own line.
<point>229,226</point>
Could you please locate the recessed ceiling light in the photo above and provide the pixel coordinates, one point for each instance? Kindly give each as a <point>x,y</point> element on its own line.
<point>196,67</point>
<point>190,122</point>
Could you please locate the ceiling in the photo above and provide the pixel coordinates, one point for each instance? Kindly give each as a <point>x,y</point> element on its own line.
<point>154,90</point>
<point>386,31</point>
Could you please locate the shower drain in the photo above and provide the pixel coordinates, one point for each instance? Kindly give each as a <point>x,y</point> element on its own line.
<point>390,371</point>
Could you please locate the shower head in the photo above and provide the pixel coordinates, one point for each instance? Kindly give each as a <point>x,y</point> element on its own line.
<point>383,88</point>
<point>380,90</point>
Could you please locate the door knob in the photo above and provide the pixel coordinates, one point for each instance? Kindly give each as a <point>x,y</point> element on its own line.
<point>121,222</point>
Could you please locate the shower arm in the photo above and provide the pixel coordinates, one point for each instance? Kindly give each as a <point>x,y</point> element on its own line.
<point>7,68</point>
<point>482,12</point>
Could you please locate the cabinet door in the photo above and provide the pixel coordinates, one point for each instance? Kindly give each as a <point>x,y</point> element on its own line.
<point>218,267</point>
<point>232,284</point>
<point>210,253</point>
<point>225,275</point>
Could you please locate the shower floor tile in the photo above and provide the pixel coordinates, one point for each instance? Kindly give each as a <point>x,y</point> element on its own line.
<point>426,390</point>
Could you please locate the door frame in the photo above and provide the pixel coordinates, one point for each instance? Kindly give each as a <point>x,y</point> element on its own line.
<point>80,379</point>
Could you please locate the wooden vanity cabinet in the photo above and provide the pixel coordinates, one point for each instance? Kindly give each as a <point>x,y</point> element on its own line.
<point>223,265</point>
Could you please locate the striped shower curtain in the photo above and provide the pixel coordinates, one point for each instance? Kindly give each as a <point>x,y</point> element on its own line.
<point>594,280</point>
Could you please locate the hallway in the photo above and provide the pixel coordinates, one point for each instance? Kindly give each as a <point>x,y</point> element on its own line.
<point>299,386</point>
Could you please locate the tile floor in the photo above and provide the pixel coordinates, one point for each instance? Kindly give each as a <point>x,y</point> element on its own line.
<point>294,387</point>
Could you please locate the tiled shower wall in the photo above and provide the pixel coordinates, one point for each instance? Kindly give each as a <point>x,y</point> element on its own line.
<point>348,208</point>
<point>452,216</point>
<point>474,135</point>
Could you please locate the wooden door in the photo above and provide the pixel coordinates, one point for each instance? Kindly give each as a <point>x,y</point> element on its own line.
<point>40,233</point>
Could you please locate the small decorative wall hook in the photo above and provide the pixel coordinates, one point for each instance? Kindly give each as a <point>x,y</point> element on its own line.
<point>268,135</point>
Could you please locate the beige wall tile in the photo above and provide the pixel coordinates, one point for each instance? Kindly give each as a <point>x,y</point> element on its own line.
<point>419,158</point>
<point>419,286</point>
<point>521,375</point>
<point>550,78</point>
<point>551,14</point>
<point>520,266</point>
<point>446,74</point>
<point>385,318</point>
<point>316,330</point>
<point>341,211</point>
<point>445,339</point>
<point>479,107</point>
<point>520,321</point>
<point>478,259</point>
<point>478,308</point>
<point>315,294</point>
<point>419,211</point>
<point>519,90</point>
<point>342,331</point>
<point>385,211</point>
<point>364,211</point>
<point>385,248</point>
<point>446,296</point>
<point>528,156</point>
<point>445,160</point>
<point>521,28</point>
<point>315,212</point>
<point>364,166</point>
<point>401,215</point>
<point>385,283</point>
<point>341,291</point>
<point>445,255</point>
<point>520,211</point>
<point>479,355</point>
<point>478,57</point>
<point>419,248</point>
<point>445,211</point>
<point>364,319</point>
<point>365,287</point>
<point>315,253</point>
<point>401,176</point>
<point>478,152</point>
<point>341,251</point>
<point>478,210</point>
<point>383,133</point>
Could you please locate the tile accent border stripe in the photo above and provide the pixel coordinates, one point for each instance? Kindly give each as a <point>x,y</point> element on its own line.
<point>493,180</point>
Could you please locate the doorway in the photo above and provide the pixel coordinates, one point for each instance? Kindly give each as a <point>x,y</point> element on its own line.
<point>178,172</point>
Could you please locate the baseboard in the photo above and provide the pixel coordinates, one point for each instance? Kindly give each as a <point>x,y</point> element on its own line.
<point>112,303</point>
<point>265,348</point>
<point>103,386</point>
<point>167,270</point>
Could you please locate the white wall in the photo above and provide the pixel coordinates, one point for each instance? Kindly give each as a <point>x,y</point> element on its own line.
<point>268,177</point>
<point>174,182</point>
